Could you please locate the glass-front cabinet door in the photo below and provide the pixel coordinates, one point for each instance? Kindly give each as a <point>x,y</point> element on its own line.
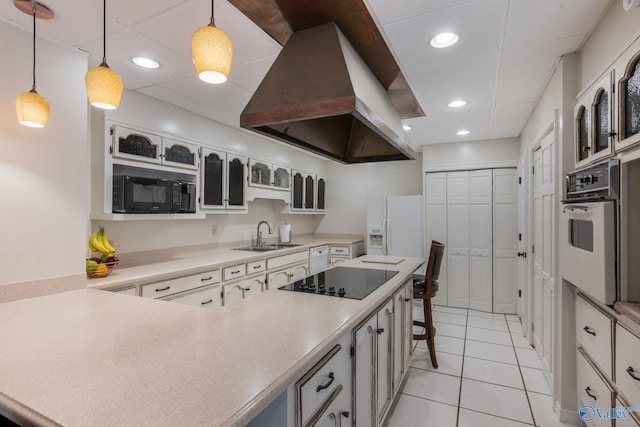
<point>179,153</point>
<point>321,183</point>
<point>281,177</point>
<point>602,136</point>
<point>260,174</point>
<point>136,145</point>
<point>213,174</point>
<point>309,193</point>
<point>236,182</point>
<point>582,130</point>
<point>628,101</point>
<point>297,191</point>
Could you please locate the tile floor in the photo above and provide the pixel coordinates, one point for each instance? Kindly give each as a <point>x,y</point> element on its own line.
<point>488,376</point>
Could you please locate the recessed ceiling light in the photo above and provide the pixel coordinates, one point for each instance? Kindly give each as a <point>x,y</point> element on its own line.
<point>463,132</point>
<point>407,127</point>
<point>145,62</point>
<point>457,103</point>
<point>444,40</point>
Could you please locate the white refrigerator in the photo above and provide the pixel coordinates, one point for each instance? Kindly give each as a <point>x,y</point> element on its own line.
<point>395,226</point>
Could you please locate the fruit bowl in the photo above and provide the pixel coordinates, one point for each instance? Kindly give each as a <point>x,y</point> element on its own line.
<point>103,269</point>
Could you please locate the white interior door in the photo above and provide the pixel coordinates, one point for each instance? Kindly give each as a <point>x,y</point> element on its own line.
<point>480,240</point>
<point>542,250</point>
<point>458,239</point>
<point>505,241</point>
<point>436,225</point>
<point>522,262</point>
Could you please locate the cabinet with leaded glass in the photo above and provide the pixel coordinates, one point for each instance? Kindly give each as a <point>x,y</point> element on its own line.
<point>223,181</point>
<point>628,93</point>
<point>143,146</point>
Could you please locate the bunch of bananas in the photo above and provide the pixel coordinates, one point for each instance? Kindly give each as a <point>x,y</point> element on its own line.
<point>98,243</point>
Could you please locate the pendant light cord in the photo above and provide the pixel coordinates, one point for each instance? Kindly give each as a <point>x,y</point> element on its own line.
<point>212,20</point>
<point>34,46</point>
<point>104,30</point>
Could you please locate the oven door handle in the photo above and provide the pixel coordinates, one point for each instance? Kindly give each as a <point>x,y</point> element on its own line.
<point>574,208</point>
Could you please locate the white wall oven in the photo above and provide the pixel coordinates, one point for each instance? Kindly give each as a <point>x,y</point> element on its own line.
<point>590,251</point>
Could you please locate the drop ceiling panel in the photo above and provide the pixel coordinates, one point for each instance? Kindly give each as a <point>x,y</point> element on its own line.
<point>397,10</point>
<point>513,112</point>
<point>508,129</point>
<point>534,60</point>
<point>128,12</point>
<point>172,97</point>
<point>228,96</point>
<point>477,23</point>
<point>520,91</point>
<point>127,44</point>
<point>249,75</point>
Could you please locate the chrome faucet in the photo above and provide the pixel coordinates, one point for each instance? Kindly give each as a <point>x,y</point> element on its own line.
<point>259,241</point>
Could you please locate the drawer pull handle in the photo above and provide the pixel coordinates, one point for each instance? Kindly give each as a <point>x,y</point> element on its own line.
<point>206,302</point>
<point>255,267</point>
<point>407,299</point>
<point>247,289</point>
<point>328,384</point>
<point>588,391</point>
<point>204,279</point>
<point>163,289</point>
<point>631,374</point>
<point>589,331</point>
<point>380,331</point>
<point>235,272</point>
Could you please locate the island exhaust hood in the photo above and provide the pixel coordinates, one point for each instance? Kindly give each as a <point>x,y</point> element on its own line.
<point>319,95</point>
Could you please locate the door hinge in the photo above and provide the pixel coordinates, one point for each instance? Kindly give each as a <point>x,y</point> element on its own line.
<point>352,352</point>
<point>111,149</point>
<point>519,293</point>
<point>533,249</point>
<point>519,237</point>
<point>532,327</point>
<point>520,180</point>
<point>533,170</point>
<point>111,131</point>
<point>199,200</point>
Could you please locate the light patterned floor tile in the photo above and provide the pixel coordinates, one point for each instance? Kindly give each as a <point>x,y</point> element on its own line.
<point>492,372</point>
<point>528,357</point>
<point>449,330</point>
<point>535,381</point>
<point>476,419</point>
<point>445,344</point>
<point>450,364</point>
<point>497,400</point>
<point>487,323</point>
<point>432,385</point>
<point>454,310</point>
<point>488,335</point>
<point>488,351</point>
<point>475,313</point>
<point>412,411</point>
<point>451,318</point>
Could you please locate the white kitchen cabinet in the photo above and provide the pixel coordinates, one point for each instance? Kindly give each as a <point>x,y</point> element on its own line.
<point>285,276</point>
<point>232,293</point>
<point>252,286</point>
<point>627,73</point>
<point>181,284</point>
<point>207,297</point>
<point>264,174</point>
<point>308,192</point>
<point>321,189</point>
<point>339,254</point>
<point>144,146</point>
<point>402,333</point>
<point>246,288</point>
<point>373,367</point>
<point>592,389</point>
<point>223,181</point>
<point>132,290</point>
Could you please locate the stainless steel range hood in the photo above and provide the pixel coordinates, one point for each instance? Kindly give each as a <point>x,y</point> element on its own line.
<point>319,95</point>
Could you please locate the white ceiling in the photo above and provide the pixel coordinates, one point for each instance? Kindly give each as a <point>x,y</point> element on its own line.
<point>506,54</point>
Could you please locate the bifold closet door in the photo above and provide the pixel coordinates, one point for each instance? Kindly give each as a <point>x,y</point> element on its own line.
<point>436,225</point>
<point>505,241</point>
<point>458,239</point>
<point>481,240</point>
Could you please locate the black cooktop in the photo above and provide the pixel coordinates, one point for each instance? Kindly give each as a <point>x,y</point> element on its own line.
<point>345,282</point>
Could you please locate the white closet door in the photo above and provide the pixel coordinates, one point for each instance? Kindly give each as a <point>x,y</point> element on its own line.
<point>436,225</point>
<point>480,240</point>
<point>458,239</point>
<point>505,265</point>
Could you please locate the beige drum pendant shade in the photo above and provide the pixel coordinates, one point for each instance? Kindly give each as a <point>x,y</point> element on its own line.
<point>212,53</point>
<point>104,87</point>
<point>32,109</point>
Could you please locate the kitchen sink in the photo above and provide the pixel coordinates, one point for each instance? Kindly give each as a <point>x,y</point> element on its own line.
<point>266,248</point>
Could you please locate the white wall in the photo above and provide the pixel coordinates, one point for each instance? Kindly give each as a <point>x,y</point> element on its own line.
<point>43,172</point>
<point>133,236</point>
<point>470,154</point>
<point>349,185</point>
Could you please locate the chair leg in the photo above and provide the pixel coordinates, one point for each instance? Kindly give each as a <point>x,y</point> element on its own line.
<point>430,331</point>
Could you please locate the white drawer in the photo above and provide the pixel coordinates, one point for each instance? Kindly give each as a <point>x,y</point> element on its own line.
<point>287,259</point>
<point>128,291</point>
<point>633,420</point>
<point>234,272</point>
<point>317,385</point>
<point>181,284</point>
<point>628,364</point>
<point>594,331</point>
<point>592,391</point>
<point>208,297</point>
<point>256,266</point>
<point>340,250</point>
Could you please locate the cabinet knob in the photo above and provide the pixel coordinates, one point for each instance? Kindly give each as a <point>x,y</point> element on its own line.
<point>407,299</point>
<point>380,331</point>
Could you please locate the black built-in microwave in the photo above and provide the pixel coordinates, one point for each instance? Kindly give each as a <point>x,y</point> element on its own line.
<point>133,194</point>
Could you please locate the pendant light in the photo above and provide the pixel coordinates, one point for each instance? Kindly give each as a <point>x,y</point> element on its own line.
<point>212,52</point>
<point>32,108</point>
<point>104,86</point>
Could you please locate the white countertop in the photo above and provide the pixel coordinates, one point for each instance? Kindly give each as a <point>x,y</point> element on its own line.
<point>95,358</point>
<point>199,260</point>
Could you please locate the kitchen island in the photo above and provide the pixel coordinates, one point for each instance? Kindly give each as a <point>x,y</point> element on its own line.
<point>93,358</point>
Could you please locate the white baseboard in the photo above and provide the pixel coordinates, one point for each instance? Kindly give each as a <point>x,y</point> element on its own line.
<point>569,417</point>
